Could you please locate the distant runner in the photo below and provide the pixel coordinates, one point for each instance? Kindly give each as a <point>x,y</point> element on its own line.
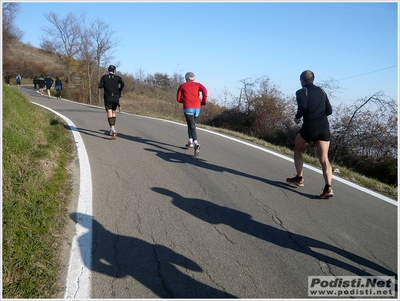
<point>49,82</point>
<point>18,80</point>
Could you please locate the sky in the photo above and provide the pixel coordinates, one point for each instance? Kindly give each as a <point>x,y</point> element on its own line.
<point>225,43</point>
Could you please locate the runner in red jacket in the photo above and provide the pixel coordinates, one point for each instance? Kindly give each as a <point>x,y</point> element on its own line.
<point>189,95</point>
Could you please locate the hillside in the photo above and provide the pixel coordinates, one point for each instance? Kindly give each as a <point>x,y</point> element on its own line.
<point>29,61</point>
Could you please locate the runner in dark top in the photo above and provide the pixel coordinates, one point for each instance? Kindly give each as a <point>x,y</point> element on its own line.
<point>41,84</point>
<point>113,85</point>
<point>7,78</point>
<point>58,86</point>
<point>313,106</point>
<point>48,82</point>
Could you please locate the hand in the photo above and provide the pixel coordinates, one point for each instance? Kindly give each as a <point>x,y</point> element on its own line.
<point>203,104</point>
<point>296,121</point>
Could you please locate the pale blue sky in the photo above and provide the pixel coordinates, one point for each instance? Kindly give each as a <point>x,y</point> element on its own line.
<point>226,42</point>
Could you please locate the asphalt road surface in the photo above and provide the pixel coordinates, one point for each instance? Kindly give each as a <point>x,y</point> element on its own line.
<point>225,224</point>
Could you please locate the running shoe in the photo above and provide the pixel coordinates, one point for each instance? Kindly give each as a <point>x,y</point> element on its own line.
<point>189,144</point>
<point>295,181</point>
<point>196,150</point>
<point>327,193</point>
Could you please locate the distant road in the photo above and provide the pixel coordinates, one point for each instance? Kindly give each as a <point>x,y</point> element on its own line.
<point>225,224</point>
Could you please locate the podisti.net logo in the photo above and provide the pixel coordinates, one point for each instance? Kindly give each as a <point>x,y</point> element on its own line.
<point>351,286</point>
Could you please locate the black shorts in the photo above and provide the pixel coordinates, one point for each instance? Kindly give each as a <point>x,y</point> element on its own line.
<point>316,134</point>
<point>111,105</point>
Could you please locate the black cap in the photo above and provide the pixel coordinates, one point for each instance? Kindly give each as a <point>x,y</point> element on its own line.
<point>111,68</point>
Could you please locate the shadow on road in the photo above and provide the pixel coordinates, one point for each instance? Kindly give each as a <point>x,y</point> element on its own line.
<point>177,157</point>
<point>165,151</point>
<point>215,214</point>
<point>152,265</point>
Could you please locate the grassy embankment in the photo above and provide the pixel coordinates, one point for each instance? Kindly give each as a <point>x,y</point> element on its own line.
<point>36,187</point>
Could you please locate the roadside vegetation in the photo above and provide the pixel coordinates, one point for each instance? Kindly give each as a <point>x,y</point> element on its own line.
<point>36,192</point>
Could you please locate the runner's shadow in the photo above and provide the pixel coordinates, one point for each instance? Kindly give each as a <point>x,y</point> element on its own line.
<point>157,144</point>
<point>152,265</point>
<point>215,214</point>
<point>177,157</point>
<point>165,151</point>
<point>99,134</point>
<point>105,134</point>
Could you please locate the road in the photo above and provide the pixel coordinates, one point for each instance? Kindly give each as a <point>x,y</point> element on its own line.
<point>223,225</point>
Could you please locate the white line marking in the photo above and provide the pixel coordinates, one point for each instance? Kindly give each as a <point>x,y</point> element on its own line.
<point>375,194</point>
<point>363,189</point>
<point>78,280</point>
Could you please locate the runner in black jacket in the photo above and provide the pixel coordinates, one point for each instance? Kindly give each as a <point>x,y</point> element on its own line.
<point>49,82</point>
<point>41,84</point>
<point>113,85</point>
<point>314,107</point>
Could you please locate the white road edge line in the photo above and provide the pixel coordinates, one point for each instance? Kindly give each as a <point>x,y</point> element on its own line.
<point>373,193</point>
<point>78,284</point>
<point>78,280</point>
<point>363,189</point>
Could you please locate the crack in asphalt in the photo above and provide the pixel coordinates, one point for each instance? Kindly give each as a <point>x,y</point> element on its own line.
<point>168,292</point>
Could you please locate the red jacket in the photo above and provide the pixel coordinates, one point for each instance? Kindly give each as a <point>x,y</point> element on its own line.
<point>188,95</point>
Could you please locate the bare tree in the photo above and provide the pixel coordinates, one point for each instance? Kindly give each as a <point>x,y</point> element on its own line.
<point>10,31</point>
<point>331,87</point>
<point>86,57</point>
<point>268,110</point>
<point>140,76</point>
<point>227,99</point>
<point>101,34</point>
<point>80,47</point>
<point>367,128</point>
<point>65,36</point>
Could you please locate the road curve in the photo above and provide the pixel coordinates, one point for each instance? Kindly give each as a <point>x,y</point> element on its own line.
<point>222,225</point>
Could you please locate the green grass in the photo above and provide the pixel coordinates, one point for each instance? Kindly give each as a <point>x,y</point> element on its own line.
<point>36,151</point>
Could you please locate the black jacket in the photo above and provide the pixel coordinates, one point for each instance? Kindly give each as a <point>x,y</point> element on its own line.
<point>48,81</point>
<point>313,105</point>
<point>113,85</point>
<point>58,83</point>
